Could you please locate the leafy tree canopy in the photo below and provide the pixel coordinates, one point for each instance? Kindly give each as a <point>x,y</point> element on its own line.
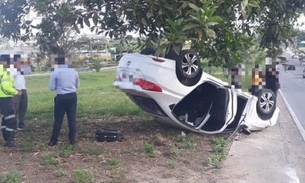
<point>221,30</point>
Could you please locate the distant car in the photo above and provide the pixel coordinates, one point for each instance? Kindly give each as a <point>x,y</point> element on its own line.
<point>177,92</point>
<point>295,57</point>
<point>291,67</point>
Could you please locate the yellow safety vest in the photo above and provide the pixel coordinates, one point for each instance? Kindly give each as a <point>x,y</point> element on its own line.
<point>6,84</point>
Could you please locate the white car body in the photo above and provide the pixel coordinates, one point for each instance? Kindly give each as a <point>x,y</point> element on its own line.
<point>152,84</point>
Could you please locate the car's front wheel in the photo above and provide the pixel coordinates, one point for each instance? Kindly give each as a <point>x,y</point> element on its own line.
<point>188,68</point>
<point>266,103</point>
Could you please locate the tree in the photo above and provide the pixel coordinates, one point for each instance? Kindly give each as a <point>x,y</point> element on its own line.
<point>221,30</point>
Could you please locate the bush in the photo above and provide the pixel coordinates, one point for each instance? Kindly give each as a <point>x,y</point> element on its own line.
<point>95,64</point>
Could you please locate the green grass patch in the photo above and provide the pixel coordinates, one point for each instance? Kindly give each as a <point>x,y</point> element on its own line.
<point>82,176</point>
<point>61,173</point>
<point>66,151</point>
<point>172,164</point>
<point>218,145</point>
<point>50,161</point>
<point>114,163</point>
<point>96,96</point>
<point>11,177</point>
<point>149,149</point>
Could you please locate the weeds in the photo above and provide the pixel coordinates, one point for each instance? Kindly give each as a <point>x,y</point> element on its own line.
<point>27,147</point>
<point>82,176</point>
<point>61,173</point>
<point>113,163</point>
<point>66,151</point>
<point>218,151</point>
<point>92,150</point>
<point>49,160</point>
<point>149,149</point>
<point>172,164</point>
<point>187,143</point>
<point>175,151</point>
<point>12,177</point>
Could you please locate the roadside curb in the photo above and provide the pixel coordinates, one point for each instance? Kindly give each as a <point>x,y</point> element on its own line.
<point>293,116</point>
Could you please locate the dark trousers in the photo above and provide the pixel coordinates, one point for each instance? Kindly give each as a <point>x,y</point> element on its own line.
<point>21,103</point>
<point>7,109</point>
<point>65,104</point>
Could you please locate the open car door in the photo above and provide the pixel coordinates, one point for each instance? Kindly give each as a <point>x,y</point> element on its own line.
<point>209,108</point>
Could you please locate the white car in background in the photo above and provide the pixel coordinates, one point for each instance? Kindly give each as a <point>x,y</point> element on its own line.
<point>175,91</point>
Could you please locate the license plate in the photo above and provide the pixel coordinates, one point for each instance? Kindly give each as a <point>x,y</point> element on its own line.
<point>127,76</point>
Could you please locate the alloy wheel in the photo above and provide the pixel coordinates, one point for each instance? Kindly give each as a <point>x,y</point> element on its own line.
<point>266,101</point>
<point>190,64</point>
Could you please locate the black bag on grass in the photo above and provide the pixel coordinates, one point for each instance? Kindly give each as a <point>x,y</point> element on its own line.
<point>108,135</point>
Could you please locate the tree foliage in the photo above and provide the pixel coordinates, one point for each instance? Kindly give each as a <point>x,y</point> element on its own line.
<point>220,30</point>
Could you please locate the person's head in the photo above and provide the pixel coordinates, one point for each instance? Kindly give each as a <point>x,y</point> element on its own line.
<point>17,61</point>
<point>61,61</point>
<point>5,60</point>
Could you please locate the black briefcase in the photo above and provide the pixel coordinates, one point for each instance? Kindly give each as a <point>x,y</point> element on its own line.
<point>108,135</point>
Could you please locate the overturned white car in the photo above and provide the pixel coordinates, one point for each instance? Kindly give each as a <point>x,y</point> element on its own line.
<point>177,92</point>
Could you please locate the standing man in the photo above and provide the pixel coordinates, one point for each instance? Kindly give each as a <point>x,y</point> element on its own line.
<point>65,82</point>
<point>21,101</point>
<point>7,92</point>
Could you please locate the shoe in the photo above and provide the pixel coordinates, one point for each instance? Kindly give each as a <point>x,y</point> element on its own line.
<point>72,142</point>
<point>5,135</point>
<point>11,139</point>
<point>52,143</point>
<point>21,127</point>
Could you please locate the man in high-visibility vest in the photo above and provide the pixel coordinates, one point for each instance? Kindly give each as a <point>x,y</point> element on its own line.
<point>7,92</point>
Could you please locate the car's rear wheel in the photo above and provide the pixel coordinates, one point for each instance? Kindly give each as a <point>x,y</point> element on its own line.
<point>266,103</point>
<point>188,68</point>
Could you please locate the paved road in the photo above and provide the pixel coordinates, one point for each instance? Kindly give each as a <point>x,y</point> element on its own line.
<point>293,88</point>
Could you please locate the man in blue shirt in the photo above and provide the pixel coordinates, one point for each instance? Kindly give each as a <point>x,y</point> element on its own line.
<point>64,81</point>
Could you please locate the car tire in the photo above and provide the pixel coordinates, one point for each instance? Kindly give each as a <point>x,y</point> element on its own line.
<point>148,51</point>
<point>188,68</point>
<point>266,103</point>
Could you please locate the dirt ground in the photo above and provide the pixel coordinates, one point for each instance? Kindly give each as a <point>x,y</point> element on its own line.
<point>149,153</point>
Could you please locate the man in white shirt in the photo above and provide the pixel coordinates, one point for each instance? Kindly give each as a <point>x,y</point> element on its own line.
<point>21,101</point>
<point>65,82</point>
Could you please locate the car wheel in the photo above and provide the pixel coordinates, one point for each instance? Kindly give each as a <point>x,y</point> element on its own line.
<point>266,103</point>
<point>188,68</point>
<point>148,51</point>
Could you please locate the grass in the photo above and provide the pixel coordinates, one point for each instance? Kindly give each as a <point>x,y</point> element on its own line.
<point>172,164</point>
<point>11,177</point>
<point>66,151</point>
<point>188,144</point>
<point>82,176</point>
<point>50,161</point>
<point>61,173</point>
<point>219,146</point>
<point>149,149</point>
<point>96,96</point>
<point>114,163</point>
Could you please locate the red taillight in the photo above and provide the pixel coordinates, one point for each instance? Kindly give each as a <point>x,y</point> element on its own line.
<point>146,85</point>
<point>158,59</point>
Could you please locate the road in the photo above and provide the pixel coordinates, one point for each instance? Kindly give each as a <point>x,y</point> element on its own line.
<point>293,88</point>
